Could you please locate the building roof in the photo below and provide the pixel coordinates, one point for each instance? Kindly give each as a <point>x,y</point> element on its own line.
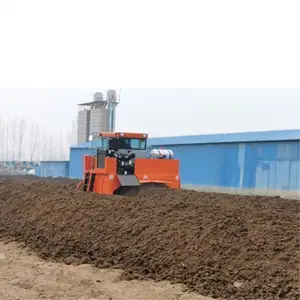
<point>91,103</point>
<point>259,136</point>
<point>82,146</point>
<point>54,161</point>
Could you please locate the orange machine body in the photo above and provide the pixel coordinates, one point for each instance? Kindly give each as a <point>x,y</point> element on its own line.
<point>147,170</point>
<point>106,177</point>
<point>124,134</point>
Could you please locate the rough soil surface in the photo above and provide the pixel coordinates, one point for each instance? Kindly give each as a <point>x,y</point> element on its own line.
<point>24,276</point>
<point>227,246</point>
<point>57,180</point>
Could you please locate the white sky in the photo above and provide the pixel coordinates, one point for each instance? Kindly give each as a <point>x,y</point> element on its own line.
<point>162,112</point>
<point>77,47</point>
<point>157,43</point>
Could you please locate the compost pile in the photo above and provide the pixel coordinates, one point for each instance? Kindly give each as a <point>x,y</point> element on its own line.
<point>223,246</point>
<point>57,180</point>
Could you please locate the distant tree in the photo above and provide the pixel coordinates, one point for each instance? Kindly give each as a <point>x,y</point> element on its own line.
<point>3,142</point>
<point>34,133</point>
<point>51,148</point>
<point>43,147</point>
<point>21,133</point>
<point>60,146</point>
<point>21,140</point>
<point>7,143</point>
<point>1,138</point>
<point>13,137</point>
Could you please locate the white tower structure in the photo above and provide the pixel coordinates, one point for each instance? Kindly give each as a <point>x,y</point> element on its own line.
<point>97,116</point>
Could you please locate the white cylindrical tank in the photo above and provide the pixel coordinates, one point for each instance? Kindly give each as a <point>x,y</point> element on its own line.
<point>111,96</point>
<point>162,153</point>
<point>98,96</point>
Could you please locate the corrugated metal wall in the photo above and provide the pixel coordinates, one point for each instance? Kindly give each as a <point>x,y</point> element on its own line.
<point>264,166</point>
<point>53,169</point>
<point>77,161</point>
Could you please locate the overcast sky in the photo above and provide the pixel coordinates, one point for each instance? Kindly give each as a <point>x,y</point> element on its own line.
<point>134,43</point>
<point>91,45</point>
<point>162,112</point>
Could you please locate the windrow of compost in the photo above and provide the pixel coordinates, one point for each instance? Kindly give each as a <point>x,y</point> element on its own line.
<point>226,246</point>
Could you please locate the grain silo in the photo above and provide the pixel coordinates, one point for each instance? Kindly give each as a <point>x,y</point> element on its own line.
<point>83,124</point>
<point>112,104</point>
<point>99,119</point>
<point>97,116</point>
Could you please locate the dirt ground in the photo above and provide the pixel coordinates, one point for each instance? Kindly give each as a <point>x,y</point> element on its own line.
<point>221,246</point>
<point>24,276</point>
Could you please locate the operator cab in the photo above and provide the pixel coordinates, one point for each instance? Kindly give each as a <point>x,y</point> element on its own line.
<point>125,147</point>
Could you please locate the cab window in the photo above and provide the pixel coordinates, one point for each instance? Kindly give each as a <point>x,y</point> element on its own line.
<point>134,144</point>
<point>100,143</point>
<point>138,144</point>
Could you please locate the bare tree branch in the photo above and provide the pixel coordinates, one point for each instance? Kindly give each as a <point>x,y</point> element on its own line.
<point>21,140</point>
<point>61,146</point>
<point>33,139</point>
<point>44,144</point>
<point>51,148</point>
<point>22,129</point>
<point>1,138</point>
<point>13,132</point>
<point>7,144</point>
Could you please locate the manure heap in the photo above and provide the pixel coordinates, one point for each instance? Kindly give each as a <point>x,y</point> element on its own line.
<point>226,246</point>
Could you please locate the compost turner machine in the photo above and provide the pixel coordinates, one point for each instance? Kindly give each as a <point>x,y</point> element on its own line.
<point>121,164</point>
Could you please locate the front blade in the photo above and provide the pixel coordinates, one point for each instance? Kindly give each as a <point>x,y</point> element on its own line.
<point>128,180</point>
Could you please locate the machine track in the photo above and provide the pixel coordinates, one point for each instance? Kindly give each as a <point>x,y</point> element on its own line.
<point>134,191</point>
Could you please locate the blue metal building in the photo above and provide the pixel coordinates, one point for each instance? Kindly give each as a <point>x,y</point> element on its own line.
<point>77,154</point>
<point>53,169</point>
<point>266,161</point>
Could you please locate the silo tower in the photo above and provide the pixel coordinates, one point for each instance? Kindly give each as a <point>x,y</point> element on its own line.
<point>99,120</point>
<point>97,116</point>
<point>112,101</point>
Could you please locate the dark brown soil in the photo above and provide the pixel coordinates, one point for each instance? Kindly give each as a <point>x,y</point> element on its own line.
<point>226,246</point>
<point>58,180</point>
